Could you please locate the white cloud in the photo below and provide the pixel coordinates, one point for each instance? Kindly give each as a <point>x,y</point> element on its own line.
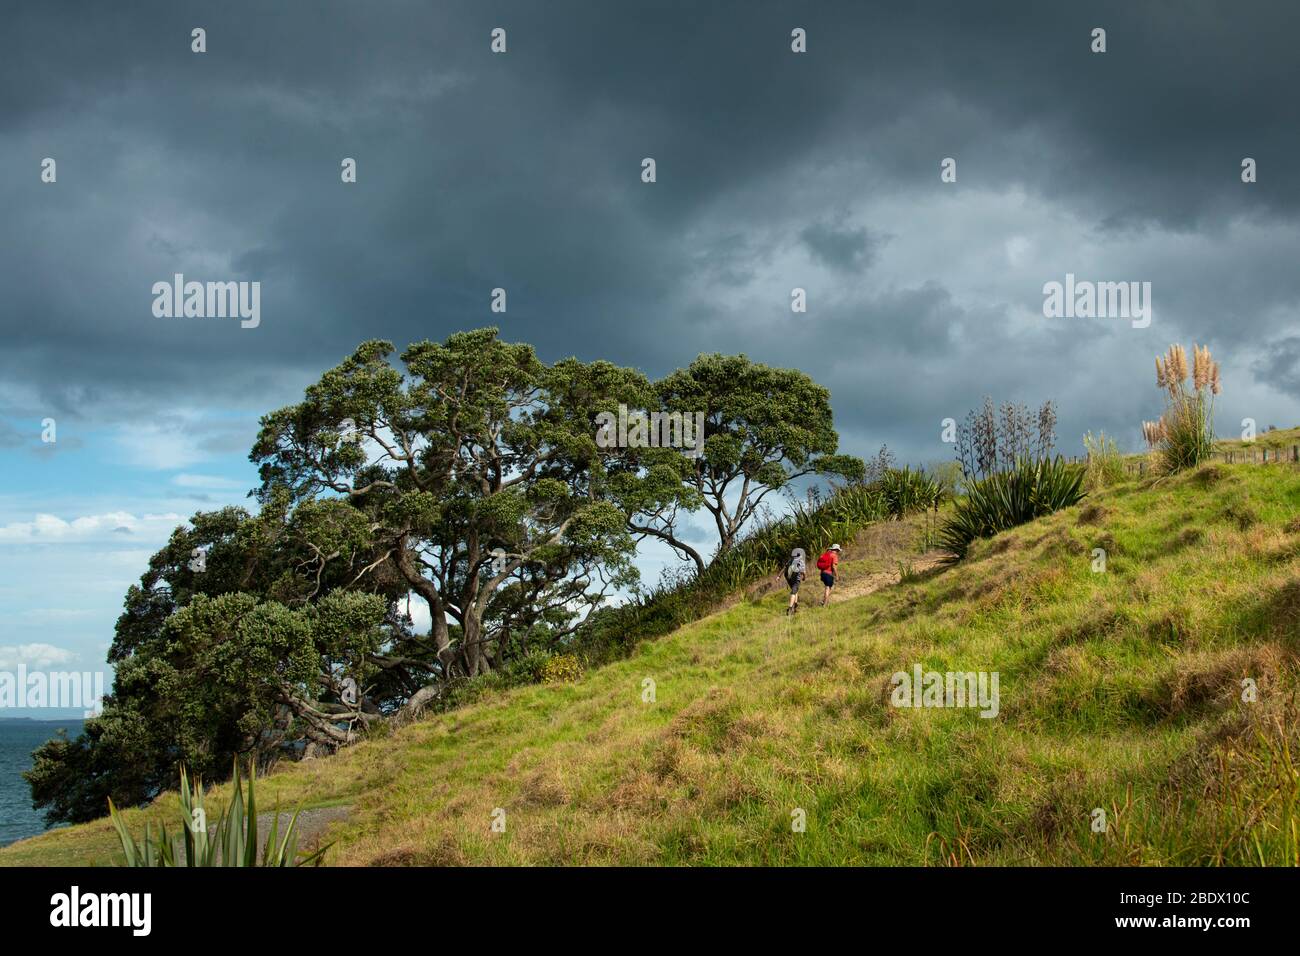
<point>33,655</point>
<point>110,526</point>
<point>421,619</point>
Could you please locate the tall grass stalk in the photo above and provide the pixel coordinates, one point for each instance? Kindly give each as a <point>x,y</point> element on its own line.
<point>1183,437</point>
<point>1105,465</point>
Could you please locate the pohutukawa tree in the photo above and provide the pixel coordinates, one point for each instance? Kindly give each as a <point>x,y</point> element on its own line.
<point>241,652</point>
<point>469,474</point>
<point>763,428</point>
<point>477,475</point>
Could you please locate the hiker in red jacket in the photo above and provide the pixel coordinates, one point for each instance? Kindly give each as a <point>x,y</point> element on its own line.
<point>829,565</point>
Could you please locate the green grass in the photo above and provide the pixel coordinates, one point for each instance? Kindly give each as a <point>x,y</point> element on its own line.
<point>1278,440</point>
<point>1119,690</point>
<point>1281,438</point>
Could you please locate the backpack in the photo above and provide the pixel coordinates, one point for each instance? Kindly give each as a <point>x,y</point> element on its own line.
<point>796,566</point>
<point>826,561</point>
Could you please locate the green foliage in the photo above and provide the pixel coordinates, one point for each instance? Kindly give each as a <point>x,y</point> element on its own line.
<point>232,841</point>
<point>1142,699</point>
<point>1188,435</point>
<point>469,477</point>
<point>906,492</point>
<point>1009,498</point>
<point>949,476</point>
<point>211,683</point>
<point>467,472</point>
<point>763,428</point>
<point>561,669</point>
<point>1105,464</point>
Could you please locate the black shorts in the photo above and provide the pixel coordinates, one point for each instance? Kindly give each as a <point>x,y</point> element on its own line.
<point>828,579</point>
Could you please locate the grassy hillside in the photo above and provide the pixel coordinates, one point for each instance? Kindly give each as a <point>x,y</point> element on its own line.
<point>1280,439</point>
<point>1118,690</point>
<point>1281,442</point>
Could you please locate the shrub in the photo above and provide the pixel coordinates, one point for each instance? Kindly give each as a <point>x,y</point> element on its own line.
<point>561,669</point>
<point>1183,436</point>
<point>1105,466</point>
<point>949,476</point>
<point>1006,499</point>
<point>524,669</point>
<point>232,842</point>
<point>906,492</point>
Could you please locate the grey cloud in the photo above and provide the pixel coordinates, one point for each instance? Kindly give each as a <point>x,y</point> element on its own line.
<point>1280,366</point>
<point>843,248</point>
<point>477,171</point>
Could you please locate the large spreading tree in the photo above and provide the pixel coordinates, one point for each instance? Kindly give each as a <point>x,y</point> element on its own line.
<point>764,428</point>
<point>465,473</point>
<point>470,477</point>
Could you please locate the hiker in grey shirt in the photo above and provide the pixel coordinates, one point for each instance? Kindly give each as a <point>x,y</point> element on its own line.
<point>795,572</point>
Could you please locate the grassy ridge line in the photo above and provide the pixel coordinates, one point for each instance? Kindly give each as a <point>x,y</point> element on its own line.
<point>765,549</point>
<point>1279,439</point>
<point>880,546</point>
<point>1118,691</point>
<point>1111,684</point>
<point>1282,438</point>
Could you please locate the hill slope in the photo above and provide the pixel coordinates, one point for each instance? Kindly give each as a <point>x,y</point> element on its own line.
<point>1119,690</point>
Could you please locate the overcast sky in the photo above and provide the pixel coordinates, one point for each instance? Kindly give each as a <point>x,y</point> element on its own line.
<point>775,170</point>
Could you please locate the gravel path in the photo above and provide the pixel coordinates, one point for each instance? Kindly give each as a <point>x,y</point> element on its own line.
<point>312,824</point>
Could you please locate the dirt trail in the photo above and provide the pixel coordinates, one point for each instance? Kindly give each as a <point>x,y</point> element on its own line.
<point>880,579</point>
<point>312,825</point>
<point>882,544</point>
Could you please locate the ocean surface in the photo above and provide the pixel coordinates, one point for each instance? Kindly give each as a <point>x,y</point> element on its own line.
<point>18,738</point>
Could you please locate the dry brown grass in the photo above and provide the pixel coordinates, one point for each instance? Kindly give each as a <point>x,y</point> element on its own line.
<point>1206,678</point>
<point>1092,513</point>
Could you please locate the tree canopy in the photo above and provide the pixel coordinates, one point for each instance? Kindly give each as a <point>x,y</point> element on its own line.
<point>465,474</point>
<point>763,428</point>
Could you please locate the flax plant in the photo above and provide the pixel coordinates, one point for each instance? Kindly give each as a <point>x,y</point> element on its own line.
<point>231,842</point>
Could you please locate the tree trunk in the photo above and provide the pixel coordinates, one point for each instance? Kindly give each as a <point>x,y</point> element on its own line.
<point>476,658</point>
<point>416,704</point>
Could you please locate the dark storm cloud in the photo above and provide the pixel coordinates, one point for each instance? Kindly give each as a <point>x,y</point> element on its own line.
<point>1280,368</point>
<point>522,171</point>
<point>844,248</point>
